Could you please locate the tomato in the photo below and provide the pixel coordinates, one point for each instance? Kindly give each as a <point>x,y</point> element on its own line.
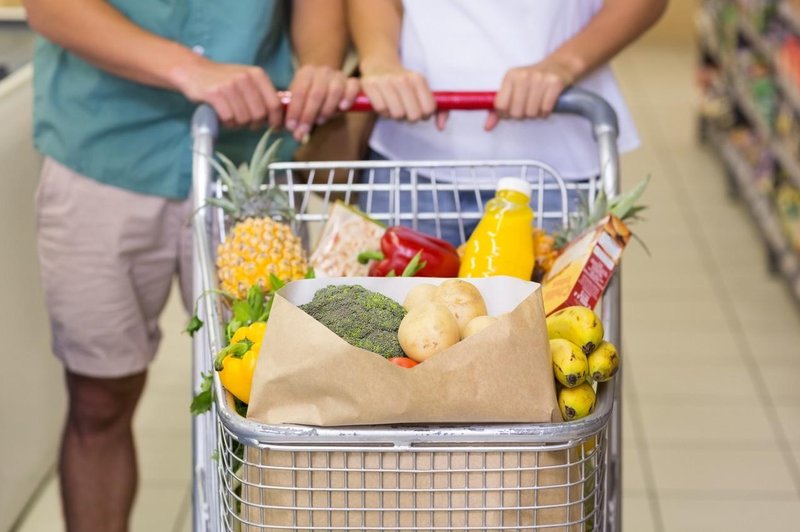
<point>403,362</point>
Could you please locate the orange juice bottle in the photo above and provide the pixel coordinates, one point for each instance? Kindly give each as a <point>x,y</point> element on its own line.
<point>502,244</point>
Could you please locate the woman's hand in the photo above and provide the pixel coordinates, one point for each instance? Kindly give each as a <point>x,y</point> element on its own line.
<point>400,94</point>
<point>530,92</point>
<point>318,92</point>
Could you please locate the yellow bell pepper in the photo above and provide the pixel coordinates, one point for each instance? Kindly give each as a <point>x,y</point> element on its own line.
<point>254,333</point>
<point>237,362</point>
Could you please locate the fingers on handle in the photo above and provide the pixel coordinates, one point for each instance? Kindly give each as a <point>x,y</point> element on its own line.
<point>235,99</point>
<point>533,101</point>
<point>394,102</point>
<point>269,96</point>
<point>253,100</point>
<point>491,121</point>
<point>502,100</point>
<point>301,85</point>
<point>351,89</point>
<point>441,119</point>
<point>333,97</point>
<point>408,91</point>
<point>427,104</point>
<point>550,97</point>
<point>518,96</point>
<point>375,96</point>
<point>312,105</point>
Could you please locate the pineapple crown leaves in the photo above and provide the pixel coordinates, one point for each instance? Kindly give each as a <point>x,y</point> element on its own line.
<point>623,207</point>
<point>246,194</point>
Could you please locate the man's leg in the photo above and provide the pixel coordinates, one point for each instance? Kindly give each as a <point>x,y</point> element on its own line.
<point>97,463</point>
<point>107,259</point>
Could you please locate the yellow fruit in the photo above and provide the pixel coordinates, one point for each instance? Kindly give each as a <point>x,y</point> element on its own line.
<point>256,248</point>
<point>603,362</point>
<point>545,253</point>
<point>258,244</point>
<point>579,325</point>
<point>569,363</point>
<point>577,402</point>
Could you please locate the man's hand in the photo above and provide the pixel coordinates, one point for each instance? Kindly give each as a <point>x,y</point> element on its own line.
<point>241,95</point>
<point>530,92</point>
<point>318,92</point>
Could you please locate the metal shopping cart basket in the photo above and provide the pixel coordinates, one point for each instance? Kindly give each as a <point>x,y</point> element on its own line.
<point>250,476</point>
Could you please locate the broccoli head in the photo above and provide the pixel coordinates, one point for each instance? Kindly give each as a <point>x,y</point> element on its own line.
<point>362,318</point>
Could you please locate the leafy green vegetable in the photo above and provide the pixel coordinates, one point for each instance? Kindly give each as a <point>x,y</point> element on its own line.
<point>201,403</point>
<point>194,325</point>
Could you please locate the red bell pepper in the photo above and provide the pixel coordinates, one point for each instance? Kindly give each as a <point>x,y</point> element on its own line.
<point>405,252</point>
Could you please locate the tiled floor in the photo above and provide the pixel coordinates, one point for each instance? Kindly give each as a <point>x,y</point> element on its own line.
<point>712,409</point>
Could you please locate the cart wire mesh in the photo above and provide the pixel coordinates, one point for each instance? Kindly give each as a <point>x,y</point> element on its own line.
<point>426,487</point>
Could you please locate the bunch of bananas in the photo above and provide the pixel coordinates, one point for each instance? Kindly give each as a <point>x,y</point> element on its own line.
<point>580,357</point>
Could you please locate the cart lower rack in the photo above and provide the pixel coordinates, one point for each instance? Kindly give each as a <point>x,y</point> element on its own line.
<point>549,476</point>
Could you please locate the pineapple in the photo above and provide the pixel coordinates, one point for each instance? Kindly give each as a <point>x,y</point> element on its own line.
<point>623,207</point>
<point>546,248</point>
<point>545,253</point>
<point>259,243</point>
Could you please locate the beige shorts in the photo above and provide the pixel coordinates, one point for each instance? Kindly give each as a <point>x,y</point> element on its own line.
<point>108,257</point>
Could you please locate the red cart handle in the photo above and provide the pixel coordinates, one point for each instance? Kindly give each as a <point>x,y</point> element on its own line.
<point>445,101</point>
<point>572,101</point>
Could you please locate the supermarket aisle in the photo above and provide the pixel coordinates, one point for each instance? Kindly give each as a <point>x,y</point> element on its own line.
<point>713,431</point>
<point>712,419</point>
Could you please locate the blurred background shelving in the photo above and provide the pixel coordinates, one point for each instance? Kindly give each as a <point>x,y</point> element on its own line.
<point>12,11</point>
<point>749,76</point>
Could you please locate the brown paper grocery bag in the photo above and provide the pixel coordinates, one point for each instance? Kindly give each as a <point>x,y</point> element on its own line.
<point>307,375</point>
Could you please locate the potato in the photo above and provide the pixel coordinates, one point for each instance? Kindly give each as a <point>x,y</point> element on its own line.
<point>421,293</point>
<point>462,299</point>
<point>427,330</point>
<point>478,324</point>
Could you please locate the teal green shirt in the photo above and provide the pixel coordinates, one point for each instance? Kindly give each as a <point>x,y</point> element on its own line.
<point>136,137</point>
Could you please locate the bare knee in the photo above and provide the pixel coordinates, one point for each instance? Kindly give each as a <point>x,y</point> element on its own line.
<point>102,407</point>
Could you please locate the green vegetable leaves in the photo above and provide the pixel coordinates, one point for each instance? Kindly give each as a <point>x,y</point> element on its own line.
<point>201,403</point>
<point>194,325</point>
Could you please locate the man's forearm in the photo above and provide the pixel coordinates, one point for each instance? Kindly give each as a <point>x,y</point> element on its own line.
<point>617,24</point>
<point>98,33</point>
<point>319,32</point>
<point>375,26</point>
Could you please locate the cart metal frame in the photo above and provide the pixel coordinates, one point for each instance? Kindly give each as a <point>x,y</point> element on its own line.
<point>215,433</point>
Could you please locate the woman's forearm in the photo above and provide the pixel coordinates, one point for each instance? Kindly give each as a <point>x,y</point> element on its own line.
<point>319,32</point>
<point>375,26</point>
<point>616,25</point>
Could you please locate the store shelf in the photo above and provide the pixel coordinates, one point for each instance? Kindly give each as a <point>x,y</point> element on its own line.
<point>735,83</point>
<point>768,52</point>
<point>704,25</point>
<point>790,16</point>
<point>787,260</point>
<point>789,89</point>
<point>760,44</point>
<point>12,14</point>
<point>776,146</point>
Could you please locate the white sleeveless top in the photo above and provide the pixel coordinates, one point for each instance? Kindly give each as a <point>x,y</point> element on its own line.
<point>469,45</point>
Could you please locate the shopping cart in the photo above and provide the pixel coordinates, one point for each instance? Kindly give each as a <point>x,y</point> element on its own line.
<point>250,476</point>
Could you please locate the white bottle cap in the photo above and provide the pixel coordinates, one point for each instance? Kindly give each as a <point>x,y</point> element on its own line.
<point>516,184</point>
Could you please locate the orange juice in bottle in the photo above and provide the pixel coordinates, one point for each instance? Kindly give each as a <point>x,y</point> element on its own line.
<point>502,243</point>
